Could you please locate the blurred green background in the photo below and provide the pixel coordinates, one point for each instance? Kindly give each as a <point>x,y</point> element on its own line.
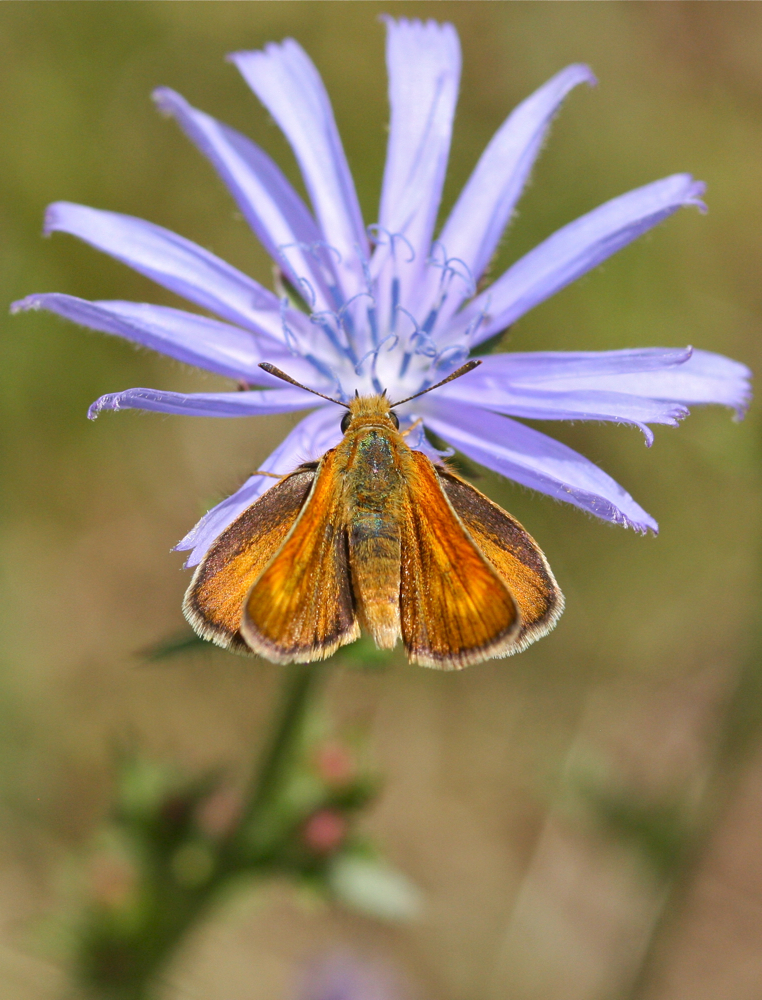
<point>524,796</point>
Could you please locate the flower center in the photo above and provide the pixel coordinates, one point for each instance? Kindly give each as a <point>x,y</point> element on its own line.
<point>393,332</point>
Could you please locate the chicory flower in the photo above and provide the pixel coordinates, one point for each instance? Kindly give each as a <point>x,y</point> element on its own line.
<point>389,306</point>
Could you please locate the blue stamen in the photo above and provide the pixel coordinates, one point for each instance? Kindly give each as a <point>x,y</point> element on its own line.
<point>312,249</point>
<point>325,266</point>
<point>457,353</point>
<point>395,303</point>
<point>451,357</point>
<point>431,319</point>
<point>310,290</point>
<point>375,382</point>
<point>373,324</point>
<point>467,277</point>
<point>416,332</point>
<point>363,359</point>
<point>318,318</point>
<point>408,244</point>
<point>437,245</point>
<point>425,345</point>
<point>421,336</point>
<point>375,351</point>
<point>330,333</point>
<point>370,312</point>
<point>329,373</point>
<point>374,232</point>
<point>292,341</point>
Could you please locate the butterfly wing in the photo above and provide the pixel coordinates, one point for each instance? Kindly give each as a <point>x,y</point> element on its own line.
<point>455,608</point>
<point>214,600</point>
<point>301,608</point>
<point>513,552</point>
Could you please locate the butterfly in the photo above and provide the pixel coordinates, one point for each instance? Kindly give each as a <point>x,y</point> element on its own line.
<point>374,536</point>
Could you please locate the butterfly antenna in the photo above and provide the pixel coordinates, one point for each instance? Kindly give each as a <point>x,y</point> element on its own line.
<point>463,370</point>
<point>272,370</point>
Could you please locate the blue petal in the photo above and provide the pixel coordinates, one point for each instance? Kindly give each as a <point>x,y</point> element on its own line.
<point>205,404</point>
<point>704,378</point>
<point>194,340</point>
<point>574,250</point>
<point>308,441</point>
<point>287,83</point>
<point>557,404</point>
<point>176,263</point>
<point>481,213</point>
<point>535,460</point>
<point>424,72</point>
<point>269,203</point>
<point>539,367</point>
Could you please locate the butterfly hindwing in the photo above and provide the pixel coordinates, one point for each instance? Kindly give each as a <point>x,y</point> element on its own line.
<point>214,600</point>
<point>513,552</point>
<point>455,608</point>
<point>301,606</point>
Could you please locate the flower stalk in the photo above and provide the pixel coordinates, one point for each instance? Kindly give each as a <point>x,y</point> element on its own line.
<point>277,762</point>
<point>180,871</point>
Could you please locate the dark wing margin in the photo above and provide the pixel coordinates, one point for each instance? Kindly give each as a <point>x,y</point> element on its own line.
<point>455,608</point>
<point>214,600</point>
<point>513,552</point>
<point>301,607</point>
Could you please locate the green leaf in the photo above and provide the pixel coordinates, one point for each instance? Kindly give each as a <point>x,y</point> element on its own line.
<point>374,888</point>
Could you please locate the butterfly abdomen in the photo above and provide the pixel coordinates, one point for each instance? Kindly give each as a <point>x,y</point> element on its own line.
<point>374,501</point>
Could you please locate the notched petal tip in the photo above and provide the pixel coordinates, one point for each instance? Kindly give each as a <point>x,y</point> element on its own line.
<point>583,73</point>
<point>164,98</point>
<point>689,190</point>
<point>648,434</point>
<point>415,24</point>
<point>269,50</point>
<point>671,419</point>
<point>30,303</point>
<point>694,194</point>
<point>639,527</point>
<point>111,401</point>
<point>51,221</point>
<point>607,511</point>
<point>644,529</point>
<point>741,407</point>
<point>94,410</point>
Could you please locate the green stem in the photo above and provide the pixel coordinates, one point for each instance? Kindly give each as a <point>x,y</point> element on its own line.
<point>278,755</point>
<point>121,966</point>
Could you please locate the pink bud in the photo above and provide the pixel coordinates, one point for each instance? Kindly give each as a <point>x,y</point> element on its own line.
<point>334,763</point>
<point>324,831</point>
<point>219,812</point>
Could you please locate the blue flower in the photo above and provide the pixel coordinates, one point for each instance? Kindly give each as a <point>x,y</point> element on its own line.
<point>343,977</point>
<point>389,306</point>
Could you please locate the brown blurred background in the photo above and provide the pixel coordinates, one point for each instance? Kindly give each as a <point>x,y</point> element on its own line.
<point>583,819</point>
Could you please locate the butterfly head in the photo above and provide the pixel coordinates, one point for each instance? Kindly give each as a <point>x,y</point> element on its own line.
<point>365,411</point>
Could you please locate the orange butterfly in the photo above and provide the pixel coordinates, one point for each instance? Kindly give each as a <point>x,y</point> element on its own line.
<point>377,536</point>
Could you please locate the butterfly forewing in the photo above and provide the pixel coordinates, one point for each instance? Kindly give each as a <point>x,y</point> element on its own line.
<point>301,607</point>
<point>513,552</point>
<point>214,600</point>
<point>455,608</point>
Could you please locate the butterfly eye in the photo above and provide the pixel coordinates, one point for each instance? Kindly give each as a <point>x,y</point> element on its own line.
<point>394,419</point>
<point>345,422</point>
